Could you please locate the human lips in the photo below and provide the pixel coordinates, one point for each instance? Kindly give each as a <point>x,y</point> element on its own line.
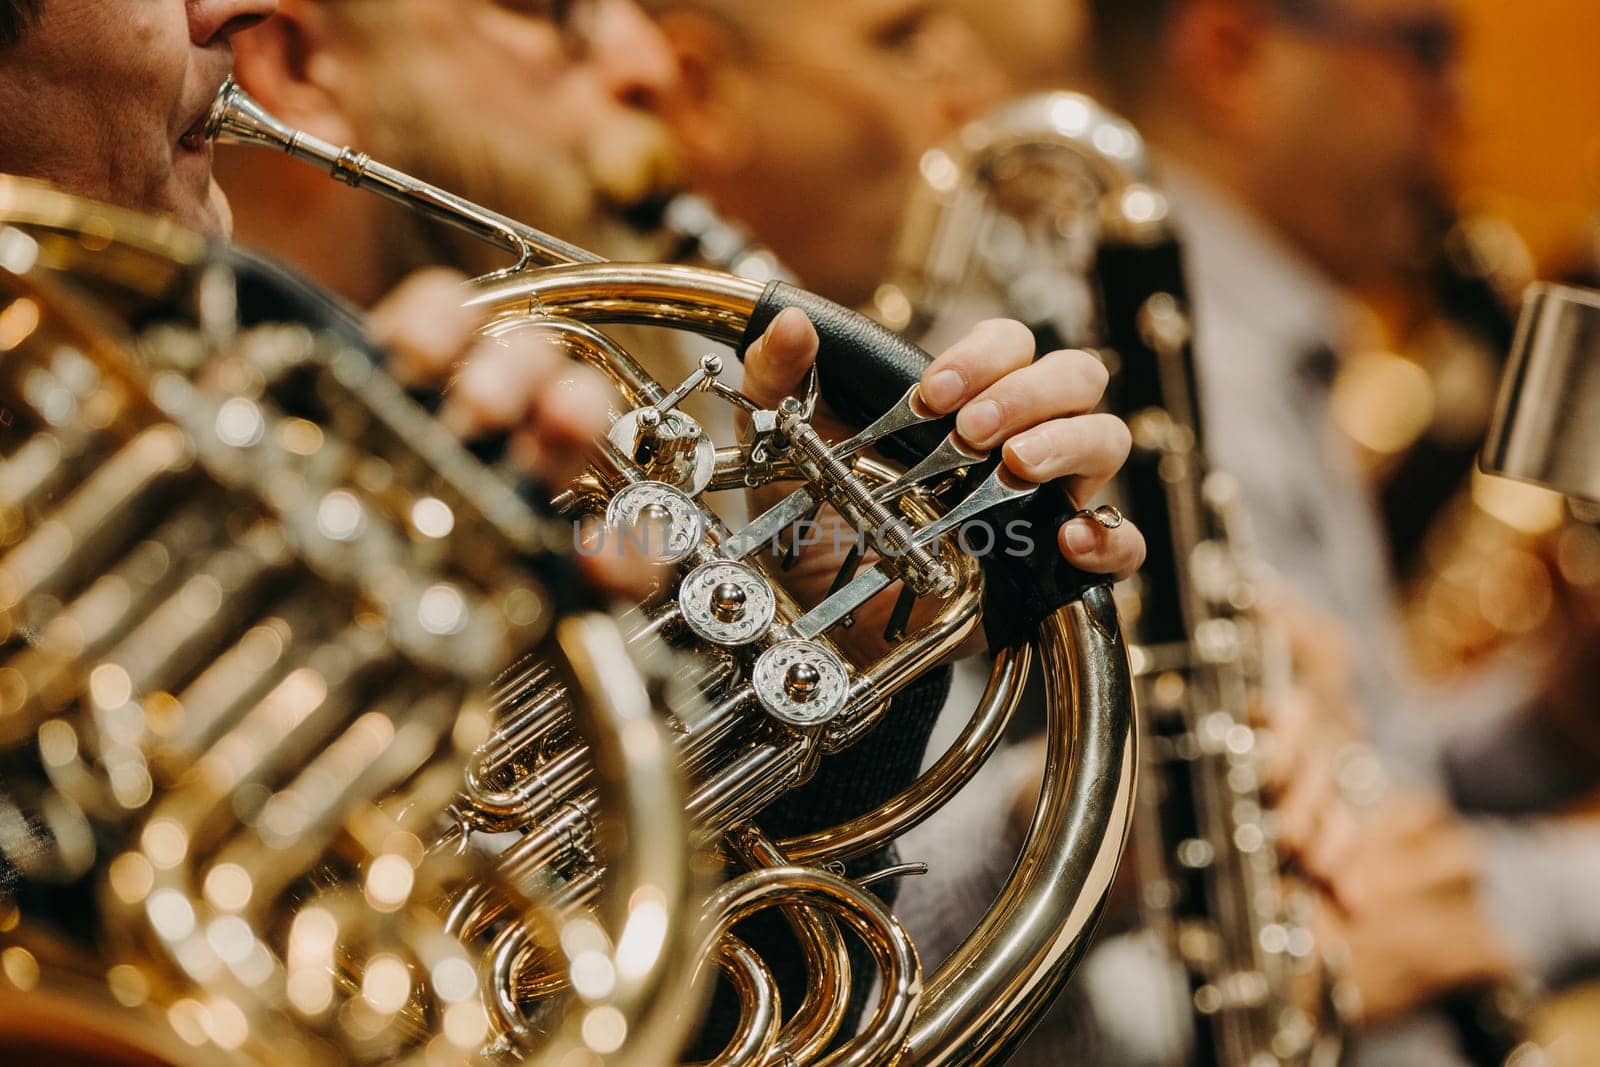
<point>196,138</point>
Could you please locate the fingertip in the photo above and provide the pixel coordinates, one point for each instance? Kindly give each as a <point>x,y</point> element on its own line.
<point>779,360</point>
<point>438,275</point>
<point>487,388</point>
<point>1078,537</point>
<point>575,407</point>
<point>1093,548</point>
<point>1006,337</point>
<point>614,565</point>
<point>434,290</point>
<point>793,328</point>
<point>1026,454</point>
<point>942,389</point>
<point>425,327</point>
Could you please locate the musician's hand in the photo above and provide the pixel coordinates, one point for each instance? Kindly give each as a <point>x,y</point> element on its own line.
<point>1404,909</point>
<point>551,408</point>
<point>1312,751</point>
<point>1040,414</point>
<point>1322,654</point>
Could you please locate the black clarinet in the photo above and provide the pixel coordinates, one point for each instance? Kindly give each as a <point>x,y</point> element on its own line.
<point>1006,206</point>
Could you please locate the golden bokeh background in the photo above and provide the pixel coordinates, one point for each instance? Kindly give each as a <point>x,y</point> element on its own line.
<point>1531,151</point>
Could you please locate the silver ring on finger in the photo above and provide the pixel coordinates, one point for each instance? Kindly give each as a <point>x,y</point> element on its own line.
<point>1106,515</point>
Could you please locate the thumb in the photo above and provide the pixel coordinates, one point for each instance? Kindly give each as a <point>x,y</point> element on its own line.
<point>777,364</point>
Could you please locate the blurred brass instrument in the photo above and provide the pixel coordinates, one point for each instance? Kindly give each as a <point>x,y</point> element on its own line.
<point>1047,208</point>
<point>1546,428</point>
<point>1490,569</point>
<point>576,951</point>
<point>697,233</point>
<point>255,601</point>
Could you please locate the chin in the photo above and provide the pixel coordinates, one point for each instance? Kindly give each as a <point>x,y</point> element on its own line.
<point>204,210</point>
<point>221,212</point>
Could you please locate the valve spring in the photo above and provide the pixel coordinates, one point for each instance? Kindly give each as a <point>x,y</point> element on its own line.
<point>895,529</point>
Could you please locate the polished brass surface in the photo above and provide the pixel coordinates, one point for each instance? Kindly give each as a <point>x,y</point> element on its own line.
<point>245,664</point>
<point>1046,172</point>
<point>1014,962</point>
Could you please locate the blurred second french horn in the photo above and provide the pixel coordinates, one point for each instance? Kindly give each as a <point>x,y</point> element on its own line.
<point>254,602</point>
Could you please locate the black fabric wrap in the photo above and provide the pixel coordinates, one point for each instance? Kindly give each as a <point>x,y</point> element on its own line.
<point>858,780</point>
<point>863,369</point>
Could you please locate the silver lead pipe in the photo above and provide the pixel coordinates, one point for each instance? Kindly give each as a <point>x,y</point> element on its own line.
<point>236,118</point>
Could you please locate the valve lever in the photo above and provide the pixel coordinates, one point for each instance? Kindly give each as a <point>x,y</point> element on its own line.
<point>998,489</point>
<point>791,555</point>
<point>710,367</point>
<point>770,524</point>
<point>951,455</point>
<point>901,870</point>
<point>908,412</point>
<point>848,571</point>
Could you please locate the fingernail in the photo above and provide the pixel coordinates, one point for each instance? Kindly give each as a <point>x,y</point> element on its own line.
<point>1030,449</point>
<point>791,319</point>
<point>589,534</point>
<point>1080,538</point>
<point>943,391</point>
<point>980,421</point>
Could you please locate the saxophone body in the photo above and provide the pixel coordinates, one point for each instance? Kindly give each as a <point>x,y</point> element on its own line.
<point>1047,207</point>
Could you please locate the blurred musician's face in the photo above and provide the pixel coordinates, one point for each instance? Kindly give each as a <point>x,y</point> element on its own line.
<point>107,98</point>
<point>1041,42</point>
<point>1361,105</point>
<point>536,108</point>
<point>805,121</point>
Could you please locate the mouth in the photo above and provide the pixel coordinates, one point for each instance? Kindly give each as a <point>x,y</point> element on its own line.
<point>194,139</point>
<point>197,138</point>
<point>649,214</point>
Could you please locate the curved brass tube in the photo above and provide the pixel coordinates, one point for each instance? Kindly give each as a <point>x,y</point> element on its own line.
<point>815,1022</point>
<point>881,1036</point>
<point>756,1036</point>
<point>1016,961</point>
<point>355,743</point>
<point>644,910</point>
<point>938,236</point>
<point>948,776</point>
<point>989,992</point>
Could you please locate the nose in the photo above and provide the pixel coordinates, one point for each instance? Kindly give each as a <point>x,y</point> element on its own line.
<point>970,80</point>
<point>635,62</point>
<point>215,21</point>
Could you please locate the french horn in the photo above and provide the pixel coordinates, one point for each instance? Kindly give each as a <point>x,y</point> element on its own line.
<point>754,696</point>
